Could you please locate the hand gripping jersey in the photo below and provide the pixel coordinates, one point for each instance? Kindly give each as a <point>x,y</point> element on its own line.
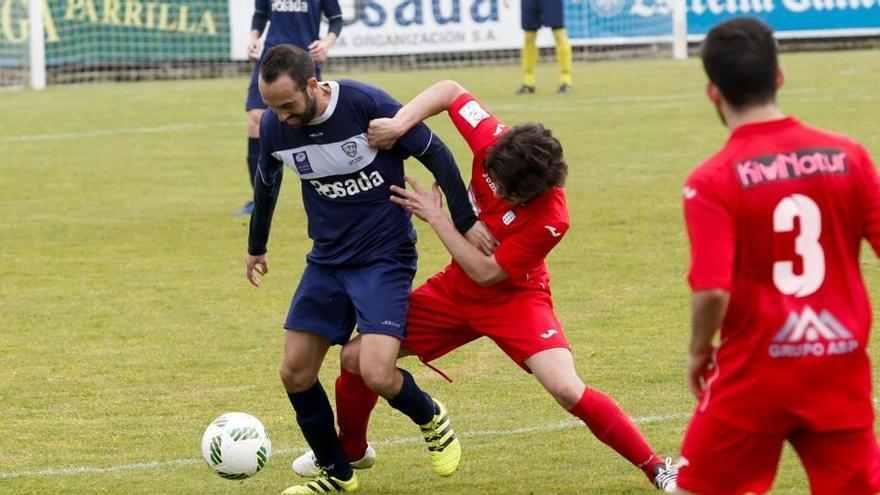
<point>345,182</point>
<point>777,218</point>
<point>297,22</point>
<point>527,232</point>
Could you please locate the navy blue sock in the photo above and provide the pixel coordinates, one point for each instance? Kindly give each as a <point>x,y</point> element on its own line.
<point>413,401</point>
<point>253,155</point>
<point>315,418</point>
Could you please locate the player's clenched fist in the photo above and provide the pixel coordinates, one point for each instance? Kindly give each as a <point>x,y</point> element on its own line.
<point>382,133</point>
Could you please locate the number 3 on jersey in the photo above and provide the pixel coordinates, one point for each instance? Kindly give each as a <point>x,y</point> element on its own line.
<point>806,245</point>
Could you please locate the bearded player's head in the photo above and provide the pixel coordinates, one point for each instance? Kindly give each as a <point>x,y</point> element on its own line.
<point>740,59</point>
<point>288,84</point>
<point>525,163</point>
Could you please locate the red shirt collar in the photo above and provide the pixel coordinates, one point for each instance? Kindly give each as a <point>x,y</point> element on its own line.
<point>763,127</point>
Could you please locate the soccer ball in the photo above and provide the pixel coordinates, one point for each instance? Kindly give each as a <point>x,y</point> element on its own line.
<point>236,445</point>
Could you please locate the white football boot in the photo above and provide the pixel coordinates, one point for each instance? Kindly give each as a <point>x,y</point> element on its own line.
<point>666,476</point>
<point>306,465</point>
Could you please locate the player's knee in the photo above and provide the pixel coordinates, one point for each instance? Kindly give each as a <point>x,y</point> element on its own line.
<point>296,378</point>
<point>566,393</point>
<point>380,379</point>
<point>349,357</point>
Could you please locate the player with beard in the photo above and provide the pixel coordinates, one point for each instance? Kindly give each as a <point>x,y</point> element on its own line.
<point>362,263</point>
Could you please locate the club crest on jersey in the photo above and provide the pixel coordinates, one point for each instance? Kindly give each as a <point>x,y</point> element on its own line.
<point>301,162</point>
<point>473,113</point>
<point>350,148</point>
<point>301,6</point>
<point>808,334</point>
<point>508,217</point>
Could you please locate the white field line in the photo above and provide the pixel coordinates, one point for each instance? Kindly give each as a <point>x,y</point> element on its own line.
<point>145,466</point>
<point>563,105</point>
<point>117,132</point>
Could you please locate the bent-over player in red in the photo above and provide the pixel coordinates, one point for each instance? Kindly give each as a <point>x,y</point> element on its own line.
<point>775,220</point>
<point>516,190</point>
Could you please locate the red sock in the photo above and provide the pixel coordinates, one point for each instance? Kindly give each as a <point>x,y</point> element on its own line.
<point>354,403</point>
<point>614,428</point>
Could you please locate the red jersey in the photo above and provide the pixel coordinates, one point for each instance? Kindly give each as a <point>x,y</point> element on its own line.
<point>526,232</point>
<point>776,218</point>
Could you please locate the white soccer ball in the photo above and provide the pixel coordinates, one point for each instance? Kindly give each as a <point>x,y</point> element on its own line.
<point>236,445</point>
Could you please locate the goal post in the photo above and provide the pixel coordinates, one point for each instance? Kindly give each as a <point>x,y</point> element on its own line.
<point>36,38</point>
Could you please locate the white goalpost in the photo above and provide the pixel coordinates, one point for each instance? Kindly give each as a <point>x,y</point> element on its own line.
<point>37,52</point>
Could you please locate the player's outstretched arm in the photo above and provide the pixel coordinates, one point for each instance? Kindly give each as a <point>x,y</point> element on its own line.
<point>382,133</point>
<point>428,206</point>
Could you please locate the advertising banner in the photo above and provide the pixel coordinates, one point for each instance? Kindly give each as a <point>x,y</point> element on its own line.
<point>115,31</point>
<point>394,27</point>
<point>833,17</point>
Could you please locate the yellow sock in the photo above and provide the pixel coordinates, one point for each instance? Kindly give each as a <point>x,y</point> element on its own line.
<point>530,57</point>
<point>563,55</point>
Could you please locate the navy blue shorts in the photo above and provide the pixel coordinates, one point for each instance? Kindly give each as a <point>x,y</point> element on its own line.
<point>254,100</point>
<point>537,13</point>
<point>330,300</point>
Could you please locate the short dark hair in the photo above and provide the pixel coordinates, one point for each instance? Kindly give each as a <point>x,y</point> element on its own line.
<point>526,161</point>
<point>290,60</point>
<point>740,57</point>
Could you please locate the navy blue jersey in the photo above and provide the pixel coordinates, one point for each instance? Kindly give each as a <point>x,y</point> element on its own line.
<point>345,182</point>
<point>296,22</point>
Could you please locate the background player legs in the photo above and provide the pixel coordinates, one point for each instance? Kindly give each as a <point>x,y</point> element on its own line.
<point>563,57</point>
<point>253,130</point>
<point>529,62</point>
<point>555,370</point>
<point>253,153</point>
<point>303,354</point>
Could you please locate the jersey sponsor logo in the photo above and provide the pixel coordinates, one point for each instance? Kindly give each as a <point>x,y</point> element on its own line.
<point>473,113</point>
<point>349,187</point>
<point>301,162</point>
<point>499,129</point>
<point>791,166</point>
<point>290,6</point>
<point>549,333</point>
<point>508,217</point>
<point>553,231</point>
<point>350,148</point>
<point>808,334</point>
<point>689,192</point>
<point>489,182</point>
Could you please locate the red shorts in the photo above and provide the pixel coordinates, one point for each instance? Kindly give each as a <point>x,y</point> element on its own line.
<point>522,323</point>
<point>721,459</point>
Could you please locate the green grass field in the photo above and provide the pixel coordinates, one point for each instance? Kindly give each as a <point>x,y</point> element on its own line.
<point>126,322</point>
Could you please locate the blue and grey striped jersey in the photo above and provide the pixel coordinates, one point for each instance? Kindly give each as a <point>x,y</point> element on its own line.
<point>345,182</point>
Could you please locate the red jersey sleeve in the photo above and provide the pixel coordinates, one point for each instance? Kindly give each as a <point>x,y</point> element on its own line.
<point>525,250</point>
<point>476,124</point>
<point>870,187</point>
<point>710,229</point>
